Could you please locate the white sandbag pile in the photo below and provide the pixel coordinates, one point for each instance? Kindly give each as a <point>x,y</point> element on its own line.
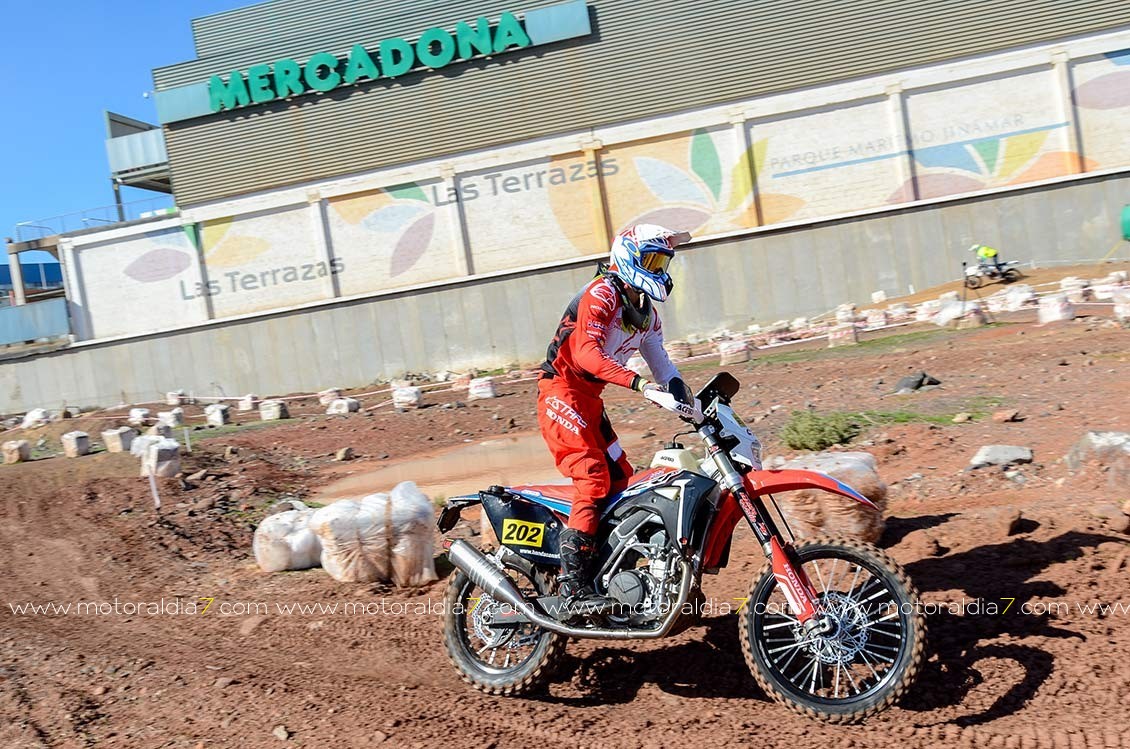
<point>36,417</point>
<point>481,387</point>
<point>732,352</point>
<point>1055,308</point>
<point>638,364</point>
<point>284,541</point>
<point>380,537</point>
<point>815,512</point>
<point>406,397</point>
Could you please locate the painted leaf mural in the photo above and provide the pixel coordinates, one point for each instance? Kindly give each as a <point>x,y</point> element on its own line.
<point>1110,91</point>
<point>158,265</point>
<point>392,217</point>
<point>705,163</point>
<point>412,244</point>
<point>669,183</point>
<point>224,249</point>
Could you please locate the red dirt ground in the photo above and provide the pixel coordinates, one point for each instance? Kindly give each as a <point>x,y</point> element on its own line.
<point>85,530</point>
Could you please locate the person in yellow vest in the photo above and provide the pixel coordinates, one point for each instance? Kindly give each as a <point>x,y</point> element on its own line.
<point>986,255</point>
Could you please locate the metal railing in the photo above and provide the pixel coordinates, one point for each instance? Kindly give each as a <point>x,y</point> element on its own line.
<point>100,216</point>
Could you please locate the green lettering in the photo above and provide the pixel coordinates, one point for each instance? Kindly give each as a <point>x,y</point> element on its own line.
<point>288,79</point>
<point>435,58</point>
<point>360,65</point>
<point>229,94</point>
<point>319,82</point>
<point>473,41</point>
<point>403,61</point>
<point>259,83</point>
<point>509,33</point>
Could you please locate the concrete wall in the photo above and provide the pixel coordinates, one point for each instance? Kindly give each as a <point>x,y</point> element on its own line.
<point>772,274</point>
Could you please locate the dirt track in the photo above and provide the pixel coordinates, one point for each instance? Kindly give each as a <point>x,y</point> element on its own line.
<point>85,531</point>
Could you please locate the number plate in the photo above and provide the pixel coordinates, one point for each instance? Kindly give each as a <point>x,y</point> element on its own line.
<point>523,533</point>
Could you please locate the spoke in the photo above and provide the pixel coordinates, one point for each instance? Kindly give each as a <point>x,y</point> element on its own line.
<point>493,653</point>
<point>785,665</point>
<point>815,671</point>
<point>874,673</point>
<point>506,663</point>
<point>802,643</point>
<point>803,673</point>
<point>854,580</point>
<point>851,679</point>
<point>778,625</point>
<point>832,573</point>
<point>896,635</point>
<point>816,566</point>
<point>484,647</point>
<point>836,689</point>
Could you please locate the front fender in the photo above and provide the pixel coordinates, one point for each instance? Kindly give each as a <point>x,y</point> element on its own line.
<point>788,480</point>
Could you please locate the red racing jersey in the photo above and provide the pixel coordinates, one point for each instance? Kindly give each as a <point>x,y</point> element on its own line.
<point>593,342</point>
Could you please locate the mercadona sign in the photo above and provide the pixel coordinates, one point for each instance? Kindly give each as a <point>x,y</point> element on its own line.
<point>435,48</point>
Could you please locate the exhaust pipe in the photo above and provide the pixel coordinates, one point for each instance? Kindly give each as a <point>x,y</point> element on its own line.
<point>491,579</point>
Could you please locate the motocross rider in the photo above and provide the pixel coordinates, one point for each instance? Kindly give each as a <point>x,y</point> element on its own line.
<point>610,319</point>
<point>986,255</point>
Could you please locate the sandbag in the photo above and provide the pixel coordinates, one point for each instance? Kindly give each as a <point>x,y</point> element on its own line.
<point>813,512</point>
<point>380,537</point>
<point>285,542</point>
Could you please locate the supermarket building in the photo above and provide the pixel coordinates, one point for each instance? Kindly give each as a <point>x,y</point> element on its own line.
<point>373,187</point>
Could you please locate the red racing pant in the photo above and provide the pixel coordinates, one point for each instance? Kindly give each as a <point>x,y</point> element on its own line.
<point>585,448</point>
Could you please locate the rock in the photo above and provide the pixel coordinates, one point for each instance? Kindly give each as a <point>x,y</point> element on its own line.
<point>345,453</point>
<point>328,396</point>
<point>36,417</point>
<point>231,452</point>
<point>118,440</point>
<point>1001,455</point>
<point>1106,451</point>
<point>217,414</point>
<point>162,459</point>
<point>1005,520</point>
<point>280,732</point>
<point>223,682</point>
<point>813,512</point>
<point>250,624</point>
<point>1007,415</point>
<point>286,506</point>
<point>249,402</point>
<point>16,451</point>
<point>344,406</point>
<point>273,410</point>
<point>962,417</point>
<point>138,416</point>
<point>910,383</point>
<point>76,444</point>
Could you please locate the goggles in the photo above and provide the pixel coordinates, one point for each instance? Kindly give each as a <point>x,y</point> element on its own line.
<point>655,261</point>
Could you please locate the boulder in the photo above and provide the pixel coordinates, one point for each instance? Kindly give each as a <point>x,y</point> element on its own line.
<point>380,537</point>
<point>217,414</point>
<point>76,444</point>
<point>16,451</point>
<point>811,512</point>
<point>344,406</point>
<point>118,440</point>
<point>273,410</point>
<point>1001,455</point>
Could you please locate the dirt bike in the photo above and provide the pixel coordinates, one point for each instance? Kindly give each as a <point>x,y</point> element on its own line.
<point>975,275</point>
<point>831,627</point>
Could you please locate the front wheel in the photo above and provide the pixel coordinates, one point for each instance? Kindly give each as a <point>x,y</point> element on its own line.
<point>867,654</point>
<point>501,660</point>
<point>973,281</point>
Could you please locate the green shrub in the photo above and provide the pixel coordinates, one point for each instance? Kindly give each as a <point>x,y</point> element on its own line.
<point>806,430</point>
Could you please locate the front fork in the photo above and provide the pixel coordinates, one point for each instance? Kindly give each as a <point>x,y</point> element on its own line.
<point>787,568</point>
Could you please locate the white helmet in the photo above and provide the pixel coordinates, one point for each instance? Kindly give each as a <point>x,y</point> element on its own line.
<point>640,256</point>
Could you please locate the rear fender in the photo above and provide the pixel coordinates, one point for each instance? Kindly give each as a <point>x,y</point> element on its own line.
<point>760,483</point>
<point>453,508</point>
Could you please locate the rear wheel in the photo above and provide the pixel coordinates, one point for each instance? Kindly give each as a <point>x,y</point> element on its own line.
<point>872,647</point>
<point>1010,275</point>
<point>499,660</point>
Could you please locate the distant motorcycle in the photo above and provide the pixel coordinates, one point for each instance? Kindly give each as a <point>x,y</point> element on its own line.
<point>976,275</point>
<point>831,627</point>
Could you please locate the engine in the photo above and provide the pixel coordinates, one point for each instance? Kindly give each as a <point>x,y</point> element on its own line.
<point>641,577</point>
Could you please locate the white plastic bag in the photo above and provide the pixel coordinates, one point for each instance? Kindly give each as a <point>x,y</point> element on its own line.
<point>378,537</point>
<point>285,542</point>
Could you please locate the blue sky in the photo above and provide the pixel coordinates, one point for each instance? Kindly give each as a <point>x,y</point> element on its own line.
<point>65,62</point>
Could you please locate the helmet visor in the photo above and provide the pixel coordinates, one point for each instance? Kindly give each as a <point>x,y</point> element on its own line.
<point>655,262</point>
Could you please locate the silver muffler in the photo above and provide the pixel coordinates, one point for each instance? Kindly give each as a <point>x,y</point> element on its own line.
<point>495,583</point>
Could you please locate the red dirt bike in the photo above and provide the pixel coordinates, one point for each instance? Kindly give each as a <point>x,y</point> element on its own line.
<point>831,627</point>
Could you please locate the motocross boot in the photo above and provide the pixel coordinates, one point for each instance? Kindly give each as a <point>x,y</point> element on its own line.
<point>575,583</point>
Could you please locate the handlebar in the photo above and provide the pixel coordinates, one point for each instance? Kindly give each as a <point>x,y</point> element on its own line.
<point>668,402</point>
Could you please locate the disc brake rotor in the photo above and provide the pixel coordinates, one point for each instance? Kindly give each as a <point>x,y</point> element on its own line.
<point>849,633</point>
